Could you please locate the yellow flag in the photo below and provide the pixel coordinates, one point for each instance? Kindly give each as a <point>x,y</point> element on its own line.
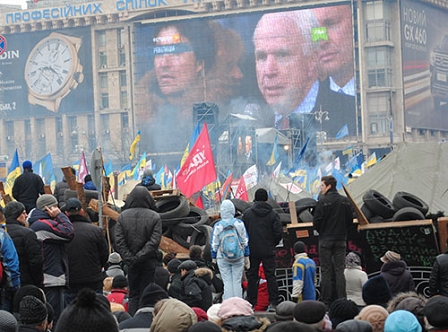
<point>134,146</point>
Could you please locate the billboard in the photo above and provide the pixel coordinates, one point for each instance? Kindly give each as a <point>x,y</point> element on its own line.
<point>284,69</point>
<point>425,65</point>
<point>46,72</point>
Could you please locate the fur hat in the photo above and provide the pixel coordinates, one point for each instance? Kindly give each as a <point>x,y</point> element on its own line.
<point>309,311</point>
<point>13,210</point>
<point>285,310</point>
<point>436,312</point>
<point>261,195</point>
<point>120,282</point>
<point>32,311</point>
<point>87,313</point>
<point>402,321</point>
<point>187,265</point>
<point>204,326</point>
<point>8,323</point>
<point>46,200</point>
<point>299,247</point>
<point>390,256</point>
<point>173,265</point>
<point>374,314</point>
<point>114,258</point>
<point>27,164</point>
<point>235,306</point>
<point>354,325</point>
<point>376,291</point>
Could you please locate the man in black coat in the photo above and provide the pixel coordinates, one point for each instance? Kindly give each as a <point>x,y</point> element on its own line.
<point>27,245</point>
<point>87,253</point>
<point>438,280</point>
<point>333,217</point>
<point>196,285</point>
<point>265,232</point>
<point>27,187</point>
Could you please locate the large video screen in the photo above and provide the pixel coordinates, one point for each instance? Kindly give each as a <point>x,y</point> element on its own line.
<point>46,72</point>
<point>289,69</point>
<point>425,65</point>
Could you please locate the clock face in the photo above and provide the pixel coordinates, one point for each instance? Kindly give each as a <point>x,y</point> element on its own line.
<point>49,66</point>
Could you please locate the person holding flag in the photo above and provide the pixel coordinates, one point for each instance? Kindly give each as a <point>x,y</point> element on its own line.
<point>28,187</point>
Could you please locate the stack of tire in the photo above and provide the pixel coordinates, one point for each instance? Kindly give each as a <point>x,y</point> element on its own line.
<point>403,207</point>
<point>187,225</point>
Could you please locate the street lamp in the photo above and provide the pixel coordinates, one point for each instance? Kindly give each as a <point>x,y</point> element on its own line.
<point>321,116</point>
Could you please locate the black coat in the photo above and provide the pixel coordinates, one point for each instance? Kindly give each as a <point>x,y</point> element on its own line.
<point>438,280</point>
<point>27,188</point>
<point>196,288</point>
<point>264,229</point>
<point>398,277</point>
<point>29,249</point>
<point>333,216</point>
<point>87,254</point>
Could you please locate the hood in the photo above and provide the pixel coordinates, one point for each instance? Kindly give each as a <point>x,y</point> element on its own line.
<point>204,273</point>
<point>395,268</point>
<point>227,210</point>
<point>140,197</point>
<point>36,214</point>
<point>261,209</point>
<point>148,180</point>
<point>181,321</point>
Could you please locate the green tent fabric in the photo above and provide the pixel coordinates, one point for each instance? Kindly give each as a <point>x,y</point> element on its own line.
<point>416,168</point>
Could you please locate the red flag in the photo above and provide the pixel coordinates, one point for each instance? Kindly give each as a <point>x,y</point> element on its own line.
<point>241,191</point>
<point>226,188</point>
<point>83,170</point>
<point>198,169</point>
<point>199,203</point>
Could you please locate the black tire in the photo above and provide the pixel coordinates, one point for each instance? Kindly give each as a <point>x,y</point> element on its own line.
<point>182,240</point>
<point>305,216</point>
<point>285,218</point>
<point>172,209</point>
<point>407,214</point>
<point>379,204</point>
<point>201,235</point>
<point>305,204</point>
<point>366,211</point>
<point>403,199</point>
<point>90,194</point>
<point>196,217</point>
<point>240,205</point>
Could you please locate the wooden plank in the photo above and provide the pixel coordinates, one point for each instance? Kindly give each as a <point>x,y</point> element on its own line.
<point>6,197</point>
<point>69,177</point>
<point>293,212</point>
<point>47,189</point>
<point>161,194</point>
<point>442,226</point>
<point>362,220</point>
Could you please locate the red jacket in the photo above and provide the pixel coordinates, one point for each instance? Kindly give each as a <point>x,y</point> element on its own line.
<point>120,296</point>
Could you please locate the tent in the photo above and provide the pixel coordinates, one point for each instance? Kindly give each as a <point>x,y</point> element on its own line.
<point>416,168</point>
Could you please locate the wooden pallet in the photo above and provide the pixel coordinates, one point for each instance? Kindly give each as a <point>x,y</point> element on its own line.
<point>162,194</point>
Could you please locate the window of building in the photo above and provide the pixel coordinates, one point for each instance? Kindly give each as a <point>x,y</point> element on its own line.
<point>103,80</point>
<point>124,120</point>
<point>91,138</point>
<point>379,66</point>
<point>379,110</point>
<point>124,99</point>
<point>101,38</point>
<point>122,57</point>
<point>123,79</point>
<point>121,37</point>
<point>105,124</point>
<point>374,10</point>
<point>378,30</point>
<point>103,59</point>
<point>104,100</point>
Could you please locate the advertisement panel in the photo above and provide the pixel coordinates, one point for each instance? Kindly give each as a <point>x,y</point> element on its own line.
<point>46,72</point>
<point>289,69</point>
<point>425,65</point>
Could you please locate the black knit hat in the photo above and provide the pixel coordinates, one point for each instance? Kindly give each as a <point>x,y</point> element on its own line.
<point>13,210</point>
<point>120,282</point>
<point>87,313</point>
<point>32,311</point>
<point>8,323</point>
<point>341,310</point>
<point>152,294</point>
<point>204,326</point>
<point>299,247</point>
<point>261,195</point>
<point>173,265</point>
<point>376,291</point>
<point>24,291</point>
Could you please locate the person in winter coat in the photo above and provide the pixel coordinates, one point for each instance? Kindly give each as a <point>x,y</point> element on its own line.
<point>231,271</point>
<point>196,285</point>
<point>172,315</point>
<point>137,238</point>
<point>61,187</point>
<point>27,187</point>
<point>355,278</point>
<point>144,316</point>
<point>396,273</point>
<point>175,286</point>
<point>88,183</point>
<point>265,232</point>
<point>27,245</point>
<point>303,275</point>
<point>236,314</point>
<point>119,293</point>
<point>54,230</point>
<point>87,253</point>
<point>148,181</point>
<point>438,280</point>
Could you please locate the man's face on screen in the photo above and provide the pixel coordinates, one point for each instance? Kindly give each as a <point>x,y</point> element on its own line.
<point>176,67</point>
<point>336,53</point>
<point>283,71</point>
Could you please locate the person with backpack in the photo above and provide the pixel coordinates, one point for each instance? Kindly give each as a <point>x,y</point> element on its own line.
<point>229,248</point>
<point>119,293</point>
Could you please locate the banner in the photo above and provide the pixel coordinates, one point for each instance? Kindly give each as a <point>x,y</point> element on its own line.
<point>199,167</point>
<point>241,191</point>
<point>13,172</point>
<point>83,170</point>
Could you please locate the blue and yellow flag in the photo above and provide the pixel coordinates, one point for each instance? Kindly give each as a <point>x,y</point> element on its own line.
<point>44,167</point>
<point>13,172</point>
<point>134,146</point>
<point>274,154</point>
<point>140,165</point>
<point>193,138</point>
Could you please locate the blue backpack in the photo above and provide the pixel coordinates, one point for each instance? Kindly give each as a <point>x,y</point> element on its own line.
<point>230,244</point>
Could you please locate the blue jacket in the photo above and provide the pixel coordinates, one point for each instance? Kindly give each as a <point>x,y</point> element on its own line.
<point>303,278</point>
<point>54,233</point>
<point>227,214</point>
<point>11,259</point>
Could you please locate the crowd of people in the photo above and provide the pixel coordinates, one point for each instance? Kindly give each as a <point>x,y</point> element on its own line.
<point>59,275</point>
